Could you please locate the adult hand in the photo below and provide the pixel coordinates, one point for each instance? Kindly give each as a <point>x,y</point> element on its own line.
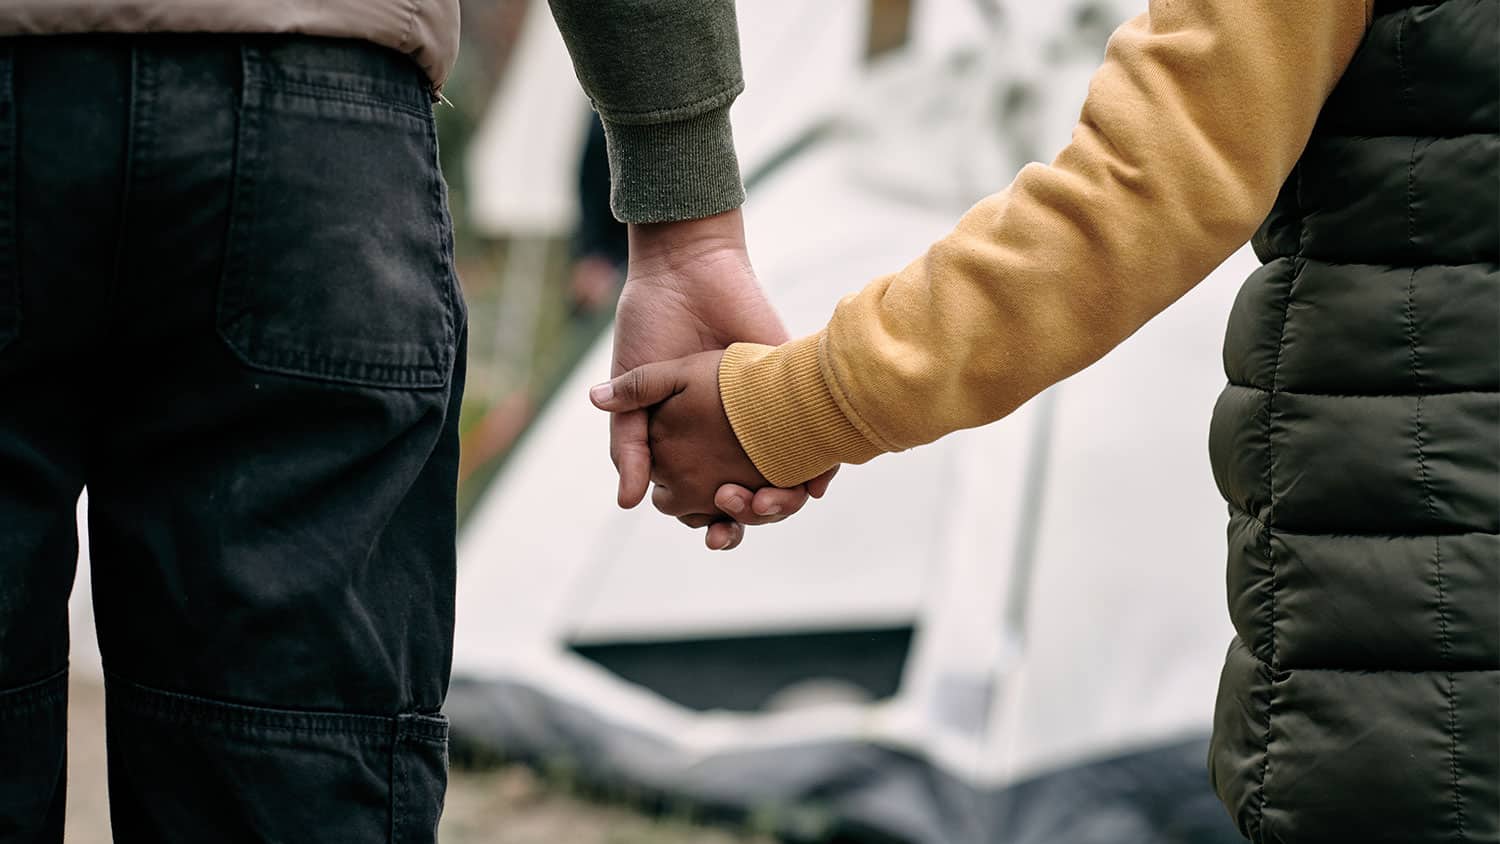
<point>690,288</point>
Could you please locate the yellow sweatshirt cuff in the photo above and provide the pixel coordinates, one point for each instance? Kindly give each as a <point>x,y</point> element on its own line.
<point>785,416</point>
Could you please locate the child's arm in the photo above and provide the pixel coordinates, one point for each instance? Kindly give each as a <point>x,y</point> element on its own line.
<point>1191,126</point>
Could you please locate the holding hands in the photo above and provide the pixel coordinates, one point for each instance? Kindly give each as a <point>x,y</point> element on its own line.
<point>689,293</point>
<point>693,448</point>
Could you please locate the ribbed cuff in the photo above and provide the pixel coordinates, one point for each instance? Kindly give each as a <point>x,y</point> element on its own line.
<point>783,413</point>
<point>665,172</point>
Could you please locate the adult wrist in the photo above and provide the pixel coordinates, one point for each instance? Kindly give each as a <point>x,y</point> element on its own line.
<point>658,249</point>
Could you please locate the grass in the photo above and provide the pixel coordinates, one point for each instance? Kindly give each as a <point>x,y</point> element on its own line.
<point>513,805</point>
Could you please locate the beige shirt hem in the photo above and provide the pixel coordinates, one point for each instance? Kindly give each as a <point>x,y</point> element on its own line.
<point>426,30</point>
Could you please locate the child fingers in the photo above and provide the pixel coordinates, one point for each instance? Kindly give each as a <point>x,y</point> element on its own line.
<point>818,487</point>
<point>724,536</point>
<point>681,496</point>
<point>637,389</point>
<point>764,507</point>
<point>772,504</point>
<point>734,501</point>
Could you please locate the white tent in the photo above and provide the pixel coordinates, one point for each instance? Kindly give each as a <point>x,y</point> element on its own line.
<point>1030,615</point>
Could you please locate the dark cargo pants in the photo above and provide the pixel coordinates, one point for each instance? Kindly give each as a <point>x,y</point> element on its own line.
<point>228,308</point>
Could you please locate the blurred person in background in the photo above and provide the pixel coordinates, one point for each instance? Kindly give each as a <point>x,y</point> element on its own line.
<point>1358,441</point>
<point>228,308</point>
<point>600,246</point>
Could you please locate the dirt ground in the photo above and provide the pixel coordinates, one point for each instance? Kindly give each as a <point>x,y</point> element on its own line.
<point>503,806</point>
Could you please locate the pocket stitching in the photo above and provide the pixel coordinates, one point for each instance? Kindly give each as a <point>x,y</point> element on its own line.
<point>328,93</point>
<point>449,273</point>
<point>179,708</point>
<point>323,82</point>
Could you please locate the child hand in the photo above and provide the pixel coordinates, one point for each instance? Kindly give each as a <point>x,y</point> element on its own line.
<point>693,447</point>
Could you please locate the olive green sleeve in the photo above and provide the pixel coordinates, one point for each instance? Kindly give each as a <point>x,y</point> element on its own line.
<point>662,75</point>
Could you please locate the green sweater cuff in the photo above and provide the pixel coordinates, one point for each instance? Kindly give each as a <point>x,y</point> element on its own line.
<point>682,170</point>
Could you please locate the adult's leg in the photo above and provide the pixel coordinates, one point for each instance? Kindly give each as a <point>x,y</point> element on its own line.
<point>272,515</point>
<point>60,156</point>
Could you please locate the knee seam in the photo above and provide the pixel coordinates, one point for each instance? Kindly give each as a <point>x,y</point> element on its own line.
<point>190,710</point>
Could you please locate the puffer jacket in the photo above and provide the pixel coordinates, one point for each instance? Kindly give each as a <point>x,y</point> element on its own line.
<point>1358,446</point>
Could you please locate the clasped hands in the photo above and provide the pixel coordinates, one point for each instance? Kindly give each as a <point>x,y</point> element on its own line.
<point>689,293</point>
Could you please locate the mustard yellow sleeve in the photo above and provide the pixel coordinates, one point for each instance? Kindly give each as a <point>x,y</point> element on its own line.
<point>1191,126</point>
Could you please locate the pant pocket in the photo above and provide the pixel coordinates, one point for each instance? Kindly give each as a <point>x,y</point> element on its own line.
<point>184,768</point>
<point>339,260</point>
<point>33,751</point>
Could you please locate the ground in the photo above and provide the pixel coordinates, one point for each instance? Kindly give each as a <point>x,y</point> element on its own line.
<point>509,805</point>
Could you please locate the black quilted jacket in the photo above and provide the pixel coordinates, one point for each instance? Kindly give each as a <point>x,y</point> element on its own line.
<point>1358,445</point>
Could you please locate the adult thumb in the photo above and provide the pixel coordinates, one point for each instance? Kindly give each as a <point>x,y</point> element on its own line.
<point>639,388</point>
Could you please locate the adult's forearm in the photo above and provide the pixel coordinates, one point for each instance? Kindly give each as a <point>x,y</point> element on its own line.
<point>662,75</point>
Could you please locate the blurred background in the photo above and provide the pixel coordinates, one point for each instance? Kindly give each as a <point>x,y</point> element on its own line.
<point>978,641</point>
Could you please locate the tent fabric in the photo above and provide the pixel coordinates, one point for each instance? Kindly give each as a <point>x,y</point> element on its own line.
<point>1051,632</point>
<point>856,789</point>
